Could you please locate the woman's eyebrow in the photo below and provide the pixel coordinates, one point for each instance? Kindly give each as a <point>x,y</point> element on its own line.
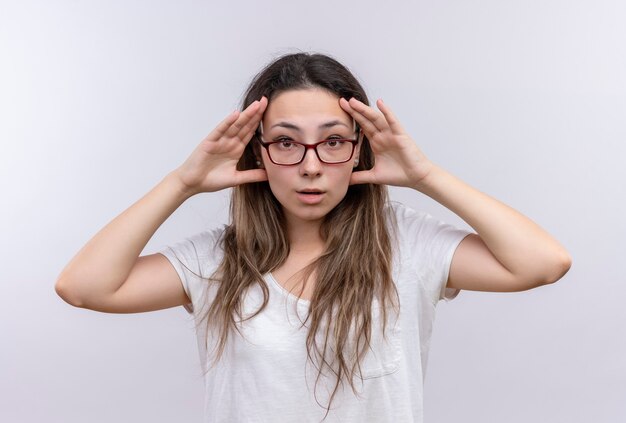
<point>322,126</point>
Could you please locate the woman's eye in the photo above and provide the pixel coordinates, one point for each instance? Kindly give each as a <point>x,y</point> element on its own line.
<point>334,142</point>
<point>285,142</point>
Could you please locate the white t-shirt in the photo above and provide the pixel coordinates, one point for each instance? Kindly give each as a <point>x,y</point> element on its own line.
<point>266,377</point>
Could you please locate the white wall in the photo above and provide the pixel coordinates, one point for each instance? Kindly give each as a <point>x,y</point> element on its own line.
<point>524,100</point>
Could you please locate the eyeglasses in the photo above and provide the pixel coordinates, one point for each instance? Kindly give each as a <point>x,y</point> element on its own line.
<point>287,152</point>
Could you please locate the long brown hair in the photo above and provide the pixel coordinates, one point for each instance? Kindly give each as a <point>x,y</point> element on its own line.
<point>355,266</point>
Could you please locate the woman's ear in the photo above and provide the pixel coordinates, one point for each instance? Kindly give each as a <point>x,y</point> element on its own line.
<point>256,150</point>
<point>357,149</point>
<point>258,159</point>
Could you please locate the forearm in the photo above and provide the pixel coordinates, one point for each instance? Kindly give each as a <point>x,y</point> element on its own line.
<point>105,262</point>
<point>519,244</point>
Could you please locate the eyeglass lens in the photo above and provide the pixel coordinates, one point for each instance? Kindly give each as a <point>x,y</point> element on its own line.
<point>331,151</point>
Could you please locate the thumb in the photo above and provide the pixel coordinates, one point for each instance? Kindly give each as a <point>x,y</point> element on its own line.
<point>362,177</point>
<point>253,175</point>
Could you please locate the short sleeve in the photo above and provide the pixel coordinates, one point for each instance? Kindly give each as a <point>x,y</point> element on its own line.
<point>429,245</point>
<point>195,258</point>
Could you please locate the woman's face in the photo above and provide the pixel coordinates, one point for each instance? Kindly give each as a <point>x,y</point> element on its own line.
<point>305,111</point>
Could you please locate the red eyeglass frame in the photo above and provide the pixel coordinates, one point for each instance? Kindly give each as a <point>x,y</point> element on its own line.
<point>307,147</point>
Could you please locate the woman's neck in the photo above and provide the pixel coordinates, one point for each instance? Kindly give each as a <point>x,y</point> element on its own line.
<point>305,238</point>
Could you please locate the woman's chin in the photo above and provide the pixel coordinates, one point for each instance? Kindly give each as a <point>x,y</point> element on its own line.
<point>307,213</point>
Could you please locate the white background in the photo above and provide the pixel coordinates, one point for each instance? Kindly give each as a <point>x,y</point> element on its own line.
<point>524,100</point>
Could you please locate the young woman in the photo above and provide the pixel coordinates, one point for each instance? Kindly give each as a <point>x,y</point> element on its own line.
<point>317,300</point>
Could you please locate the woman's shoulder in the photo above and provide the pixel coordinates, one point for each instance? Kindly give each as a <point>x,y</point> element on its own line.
<point>402,214</point>
<point>209,239</point>
<point>204,243</point>
<point>414,224</point>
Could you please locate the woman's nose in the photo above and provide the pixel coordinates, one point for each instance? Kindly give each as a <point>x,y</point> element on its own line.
<point>311,164</point>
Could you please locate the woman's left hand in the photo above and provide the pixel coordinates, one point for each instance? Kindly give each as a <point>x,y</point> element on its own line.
<point>398,160</point>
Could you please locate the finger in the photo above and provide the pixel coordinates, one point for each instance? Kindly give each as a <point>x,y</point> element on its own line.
<point>248,176</point>
<point>243,119</point>
<point>393,122</point>
<point>362,177</point>
<point>377,118</point>
<point>223,126</point>
<point>246,132</point>
<point>368,127</point>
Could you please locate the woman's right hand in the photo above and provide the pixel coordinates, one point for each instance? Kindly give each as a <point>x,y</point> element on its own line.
<point>212,166</point>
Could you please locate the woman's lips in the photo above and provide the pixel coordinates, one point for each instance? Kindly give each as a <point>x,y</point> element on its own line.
<point>310,197</point>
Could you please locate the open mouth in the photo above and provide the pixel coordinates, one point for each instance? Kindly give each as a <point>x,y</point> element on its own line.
<point>311,196</point>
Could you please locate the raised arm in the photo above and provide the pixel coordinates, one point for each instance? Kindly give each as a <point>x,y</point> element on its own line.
<point>108,275</point>
<point>102,266</point>
<point>509,252</point>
